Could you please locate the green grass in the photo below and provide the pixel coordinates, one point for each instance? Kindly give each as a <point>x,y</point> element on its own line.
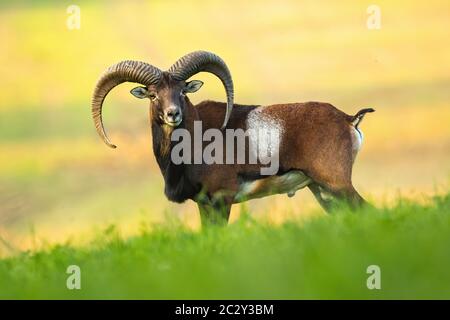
<point>325,257</point>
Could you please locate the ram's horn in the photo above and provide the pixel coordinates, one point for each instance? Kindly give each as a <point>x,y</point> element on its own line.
<point>124,71</point>
<point>199,61</point>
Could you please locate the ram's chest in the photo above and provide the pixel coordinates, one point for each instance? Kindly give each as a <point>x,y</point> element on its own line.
<point>287,183</point>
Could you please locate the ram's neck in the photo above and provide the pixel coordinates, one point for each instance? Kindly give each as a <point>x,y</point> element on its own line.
<point>177,186</point>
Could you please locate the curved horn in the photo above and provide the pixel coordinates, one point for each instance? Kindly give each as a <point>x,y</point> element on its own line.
<point>124,71</point>
<point>199,61</point>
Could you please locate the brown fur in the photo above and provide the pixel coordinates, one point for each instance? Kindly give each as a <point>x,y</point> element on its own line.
<point>317,140</point>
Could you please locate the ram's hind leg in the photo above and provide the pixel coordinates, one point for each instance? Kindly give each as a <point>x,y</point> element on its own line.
<point>325,199</point>
<point>330,199</point>
<point>350,196</point>
<point>333,184</point>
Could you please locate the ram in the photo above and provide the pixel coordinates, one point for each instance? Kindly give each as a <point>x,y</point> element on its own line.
<point>316,147</point>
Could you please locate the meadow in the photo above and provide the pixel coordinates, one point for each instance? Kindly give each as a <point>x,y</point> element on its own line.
<point>323,258</point>
<point>60,187</point>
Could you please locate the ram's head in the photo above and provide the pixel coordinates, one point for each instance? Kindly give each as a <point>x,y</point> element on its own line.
<point>166,89</point>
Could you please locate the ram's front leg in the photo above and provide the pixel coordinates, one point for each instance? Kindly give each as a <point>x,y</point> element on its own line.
<point>214,211</point>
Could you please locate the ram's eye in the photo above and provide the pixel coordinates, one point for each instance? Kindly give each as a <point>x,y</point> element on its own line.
<point>152,96</point>
<point>182,93</point>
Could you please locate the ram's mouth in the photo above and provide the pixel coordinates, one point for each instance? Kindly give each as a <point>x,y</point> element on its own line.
<point>174,123</point>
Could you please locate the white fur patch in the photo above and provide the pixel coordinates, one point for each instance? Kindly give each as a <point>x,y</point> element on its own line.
<point>266,134</point>
<point>357,139</point>
<point>287,183</point>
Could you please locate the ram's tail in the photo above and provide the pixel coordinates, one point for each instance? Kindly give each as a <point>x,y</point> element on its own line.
<point>357,118</point>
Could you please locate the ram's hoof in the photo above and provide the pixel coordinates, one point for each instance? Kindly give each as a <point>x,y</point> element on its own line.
<point>291,194</point>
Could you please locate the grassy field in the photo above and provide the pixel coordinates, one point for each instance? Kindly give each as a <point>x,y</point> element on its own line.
<point>326,257</point>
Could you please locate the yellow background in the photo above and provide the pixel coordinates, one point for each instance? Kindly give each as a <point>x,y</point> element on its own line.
<point>59,182</point>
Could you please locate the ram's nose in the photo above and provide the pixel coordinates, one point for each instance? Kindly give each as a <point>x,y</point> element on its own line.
<point>173,116</point>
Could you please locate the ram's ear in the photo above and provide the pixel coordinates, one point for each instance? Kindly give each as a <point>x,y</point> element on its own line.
<point>193,86</point>
<point>140,92</point>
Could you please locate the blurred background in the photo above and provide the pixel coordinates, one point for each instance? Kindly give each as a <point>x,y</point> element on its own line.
<point>59,182</point>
